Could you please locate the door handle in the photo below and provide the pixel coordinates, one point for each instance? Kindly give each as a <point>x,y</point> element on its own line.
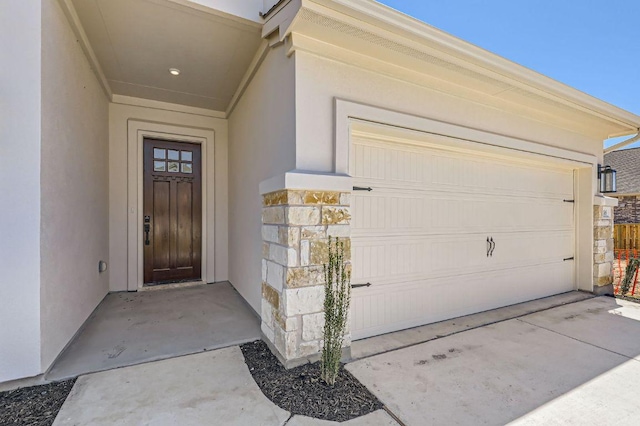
<point>488,246</point>
<point>147,230</point>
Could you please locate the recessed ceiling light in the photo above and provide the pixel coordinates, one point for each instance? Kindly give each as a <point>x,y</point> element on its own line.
<point>174,71</point>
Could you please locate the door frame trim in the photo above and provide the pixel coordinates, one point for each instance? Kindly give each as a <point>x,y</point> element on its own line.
<point>347,112</point>
<point>137,131</point>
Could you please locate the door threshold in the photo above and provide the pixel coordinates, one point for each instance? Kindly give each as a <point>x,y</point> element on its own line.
<point>171,285</point>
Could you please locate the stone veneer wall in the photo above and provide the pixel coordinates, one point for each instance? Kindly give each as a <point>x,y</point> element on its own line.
<point>296,225</point>
<point>603,250</point>
<point>628,210</point>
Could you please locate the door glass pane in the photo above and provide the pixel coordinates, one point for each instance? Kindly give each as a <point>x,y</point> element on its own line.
<point>159,153</point>
<point>174,155</point>
<point>173,167</point>
<point>187,156</point>
<point>186,168</point>
<point>159,166</point>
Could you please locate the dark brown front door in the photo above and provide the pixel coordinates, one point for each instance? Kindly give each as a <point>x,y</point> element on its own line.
<point>172,219</point>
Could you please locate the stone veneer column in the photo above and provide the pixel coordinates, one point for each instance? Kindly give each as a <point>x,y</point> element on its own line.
<point>603,250</point>
<point>296,225</point>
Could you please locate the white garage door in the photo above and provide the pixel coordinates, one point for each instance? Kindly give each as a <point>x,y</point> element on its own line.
<point>419,238</point>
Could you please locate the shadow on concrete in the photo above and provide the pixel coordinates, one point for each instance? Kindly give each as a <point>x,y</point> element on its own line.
<point>133,328</point>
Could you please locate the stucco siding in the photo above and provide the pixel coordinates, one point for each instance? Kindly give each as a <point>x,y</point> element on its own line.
<point>262,145</point>
<point>319,81</point>
<point>20,189</point>
<point>74,226</point>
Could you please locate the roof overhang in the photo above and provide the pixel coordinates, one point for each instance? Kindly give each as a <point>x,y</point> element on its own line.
<point>371,35</point>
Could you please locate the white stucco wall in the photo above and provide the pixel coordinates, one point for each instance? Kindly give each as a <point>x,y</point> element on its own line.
<point>217,192</point>
<point>75,197</point>
<point>20,188</point>
<point>319,81</point>
<point>262,145</point>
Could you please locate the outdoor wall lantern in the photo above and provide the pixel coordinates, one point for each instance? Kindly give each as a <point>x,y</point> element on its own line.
<point>607,178</point>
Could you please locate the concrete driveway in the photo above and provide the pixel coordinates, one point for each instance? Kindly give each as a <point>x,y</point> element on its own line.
<point>575,364</point>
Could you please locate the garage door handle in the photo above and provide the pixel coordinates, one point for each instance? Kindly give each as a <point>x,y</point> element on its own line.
<point>362,188</point>
<point>491,246</point>
<point>360,285</point>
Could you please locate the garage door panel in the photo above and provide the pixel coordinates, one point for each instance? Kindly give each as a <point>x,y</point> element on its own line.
<point>463,173</point>
<point>382,260</point>
<point>377,310</point>
<point>531,248</point>
<point>369,212</point>
<point>387,212</point>
<point>420,236</point>
<point>377,162</point>
<point>395,165</point>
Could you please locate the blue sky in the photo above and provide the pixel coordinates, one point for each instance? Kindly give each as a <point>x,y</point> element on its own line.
<point>592,45</point>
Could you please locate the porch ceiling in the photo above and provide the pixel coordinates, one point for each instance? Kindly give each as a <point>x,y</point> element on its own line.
<point>137,41</point>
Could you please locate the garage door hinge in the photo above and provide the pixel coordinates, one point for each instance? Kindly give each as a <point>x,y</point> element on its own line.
<point>568,258</point>
<point>569,201</point>
<point>360,285</point>
<point>362,188</point>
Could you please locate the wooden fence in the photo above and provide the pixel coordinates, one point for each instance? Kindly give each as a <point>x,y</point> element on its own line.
<point>626,236</point>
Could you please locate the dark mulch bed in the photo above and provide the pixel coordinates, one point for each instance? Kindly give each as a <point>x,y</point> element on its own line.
<point>301,391</point>
<point>34,406</point>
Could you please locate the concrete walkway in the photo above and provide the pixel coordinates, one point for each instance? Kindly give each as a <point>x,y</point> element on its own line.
<point>212,388</point>
<point>573,364</point>
<point>132,328</point>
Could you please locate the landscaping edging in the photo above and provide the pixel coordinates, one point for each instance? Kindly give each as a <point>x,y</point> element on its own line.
<point>301,391</point>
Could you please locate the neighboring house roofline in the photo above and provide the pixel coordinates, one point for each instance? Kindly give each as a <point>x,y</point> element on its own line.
<point>398,27</point>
